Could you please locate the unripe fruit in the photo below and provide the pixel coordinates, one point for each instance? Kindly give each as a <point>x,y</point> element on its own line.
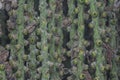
<point>99,4</point>
<point>37,76</point>
<point>59,60</point>
<point>94,14</point>
<point>82,76</point>
<point>117,58</point>
<point>93,65</point>
<point>96,78</point>
<point>81,1</point>
<point>93,53</point>
<point>86,43</point>
<point>99,43</point>
<point>107,67</point>
<point>12,36</point>
<point>25,7</point>
<point>104,14</point>
<point>75,61</point>
<point>91,25</point>
<point>25,57</point>
<point>2,67</point>
<point>81,52</point>
<point>102,68</point>
<point>86,67</point>
<point>87,2</point>
<point>18,74</point>
<point>38,32</point>
<point>75,21</point>
<point>32,40</point>
<point>45,48</point>
<point>32,66</point>
<point>38,45</point>
<point>76,10</point>
<point>14,66</point>
<point>26,42</point>
<point>25,32</point>
<point>107,40</point>
<point>68,53</point>
<point>113,21</point>
<point>18,46</point>
<point>39,58</point>
<point>7,47</point>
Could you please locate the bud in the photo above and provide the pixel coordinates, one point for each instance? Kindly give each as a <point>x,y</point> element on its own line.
<point>82,76</point>
<point>94,14</point>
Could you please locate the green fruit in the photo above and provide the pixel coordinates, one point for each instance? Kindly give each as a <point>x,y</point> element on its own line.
<point>93,53</point>
<point>76,10</point>
<point>32,66</point>
<point>96,78</point>
<point>87,2</point>
<point>2,67</point>
<point>82,76</point>
<point>38,32</point>
<point>7,47</point>
<point>107,67</point>
<point>25,57</point>
<point>38,45</point>
<point>75,61</point>
<point>82,1</point>
<point>104,14</point>
<point>18,74</point>
<point>18,46</point>
<point>25,32</point>
<point>91,25</point>
<point>102,68</point>
<point>93,65</point>
<point>75,21</point>
<point>37,76</point>
<point>99,43</point>
<point>113,21</point>
<point>94,14</point>
<point>39,58</point>
<point>86,67</point>
<point>32,40</point>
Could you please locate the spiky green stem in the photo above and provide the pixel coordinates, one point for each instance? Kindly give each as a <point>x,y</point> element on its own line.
<point>113,44</point>
<point>97,40</point>
<point>71,14</point>
<point>32,41</point>
<point>81,39</point>
<point>54,75</point>
<point>20,27</point>
<point>44,48</point>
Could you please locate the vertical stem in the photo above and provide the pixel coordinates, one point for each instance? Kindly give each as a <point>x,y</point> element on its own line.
<point>20,27</point>
<point>97,39</point>
<point>59,27</point>
<point>71,13</point>
<point>32,37</point>
<point>80,32</point>
<point>113,44</point>
<point>44,44</point>
<point>54,75</point>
